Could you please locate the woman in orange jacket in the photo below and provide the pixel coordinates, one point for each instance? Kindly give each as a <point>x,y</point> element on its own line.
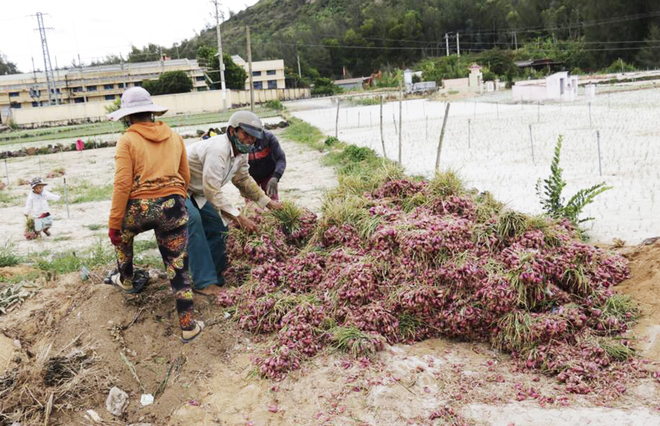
<point>150,189</point>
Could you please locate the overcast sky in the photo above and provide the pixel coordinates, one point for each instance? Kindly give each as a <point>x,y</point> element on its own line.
<point>95,29</point>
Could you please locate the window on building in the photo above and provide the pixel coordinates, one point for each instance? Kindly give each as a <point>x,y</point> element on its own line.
<point>91,88</point>
<point>272,84</point>
<point>257,85</point>
<point>202,89</point>
<point>108,86</point>
<point>256,73</point>
<point>76,89</point>
<point>109,97</point>
<point>16,105</point>
<point>79,100</point>
<point>14,94</point>
<point>200,78</point>
<point>271,72</point>
<point>137,84</point>
<point>35,104</point>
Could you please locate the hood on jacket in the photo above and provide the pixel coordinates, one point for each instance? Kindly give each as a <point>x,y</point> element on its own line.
<point>154,132</point>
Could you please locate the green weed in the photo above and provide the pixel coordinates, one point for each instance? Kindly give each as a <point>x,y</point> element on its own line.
<point>299,131</point>
<point>8,256</point>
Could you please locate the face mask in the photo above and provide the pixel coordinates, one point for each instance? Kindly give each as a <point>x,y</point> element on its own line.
<point>240,147</point>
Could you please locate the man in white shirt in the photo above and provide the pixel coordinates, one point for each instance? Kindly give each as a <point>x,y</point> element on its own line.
<point>214,162</point>
<point>37,205</point>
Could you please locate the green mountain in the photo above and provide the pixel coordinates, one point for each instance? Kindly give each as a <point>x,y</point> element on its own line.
<point>367,35</point>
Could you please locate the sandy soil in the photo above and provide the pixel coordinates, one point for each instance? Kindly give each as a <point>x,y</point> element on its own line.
<point>304,182</point>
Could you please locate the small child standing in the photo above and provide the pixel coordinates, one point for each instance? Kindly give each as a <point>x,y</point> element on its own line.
<point>37,205</point>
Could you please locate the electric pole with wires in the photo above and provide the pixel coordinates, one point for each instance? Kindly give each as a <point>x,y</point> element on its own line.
<point>51,84</point>
<point>221,63</point>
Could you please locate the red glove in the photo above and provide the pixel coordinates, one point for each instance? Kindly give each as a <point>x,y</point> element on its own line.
<point>115,236</point>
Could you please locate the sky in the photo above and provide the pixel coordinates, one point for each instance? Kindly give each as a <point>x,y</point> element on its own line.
<point>96,29</point>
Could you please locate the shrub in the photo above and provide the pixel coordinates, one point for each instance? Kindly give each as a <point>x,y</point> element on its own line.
<point>274,104</point>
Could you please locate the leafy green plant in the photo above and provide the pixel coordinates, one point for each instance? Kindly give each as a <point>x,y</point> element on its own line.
<point>274,104</point>
<point>550,192</point>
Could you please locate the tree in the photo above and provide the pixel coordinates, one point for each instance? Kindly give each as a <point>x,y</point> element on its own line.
<point>649,55</point>
<point>169,82</point>
<point>235,75</point>
<point>7,67</point>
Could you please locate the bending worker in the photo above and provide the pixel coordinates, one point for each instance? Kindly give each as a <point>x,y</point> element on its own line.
<point>267,163</point>
<point>214,162</point>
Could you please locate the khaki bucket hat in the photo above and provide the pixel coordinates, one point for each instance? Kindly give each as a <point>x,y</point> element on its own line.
<point>134,101</point>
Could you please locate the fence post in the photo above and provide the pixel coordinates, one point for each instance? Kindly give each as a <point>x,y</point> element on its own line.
<point>442,135</point>
<point>600,166</point>
<point>337,121</point>
<point>7,171</point>
<point>382,139</point>
<point>531,143</point>
<point>469,132</point>
<point>400,119</point>
<point>66,198</point>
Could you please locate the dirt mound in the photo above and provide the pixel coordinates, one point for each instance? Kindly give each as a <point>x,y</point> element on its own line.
<point>644,287</point>
<point>79,339</point>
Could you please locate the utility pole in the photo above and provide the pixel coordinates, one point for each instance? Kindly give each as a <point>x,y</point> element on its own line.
<point>458,44</point>
<point>82,79</point>
<point>515,39</point>
<point>57,73</point>
<point>48,67</point>
<point>221,62</point>
<point>299,73</point>
<point>447,42</point>
<point>249,52</point>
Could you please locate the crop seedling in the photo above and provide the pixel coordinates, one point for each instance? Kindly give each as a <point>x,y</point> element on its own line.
<point>550,192</point>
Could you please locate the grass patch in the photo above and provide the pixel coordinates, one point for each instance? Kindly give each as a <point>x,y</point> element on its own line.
<point>299,131</point>
<point>94,226</point>
<point>8,256</point>
<point>7,198</point>
<point>85,193</point>
<point>144,245</point>
<point>64,263</point>
<point>355,342</point>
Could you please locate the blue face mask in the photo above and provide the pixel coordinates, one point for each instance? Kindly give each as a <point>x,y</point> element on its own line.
<point>240,146</point>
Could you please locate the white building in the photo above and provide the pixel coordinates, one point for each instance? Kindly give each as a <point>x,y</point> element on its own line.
<point>265,74</point>
<point>559,87</point>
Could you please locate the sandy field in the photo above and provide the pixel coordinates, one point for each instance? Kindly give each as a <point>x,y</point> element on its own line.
<point>304,182</point>
<point>488,142</point>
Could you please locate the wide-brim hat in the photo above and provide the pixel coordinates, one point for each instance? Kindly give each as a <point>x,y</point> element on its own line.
<point>37,181</point>
<point>133,101</point>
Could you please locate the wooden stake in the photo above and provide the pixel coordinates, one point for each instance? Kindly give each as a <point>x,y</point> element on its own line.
<point>337,121</point>
<point>382,138</point>
<point>442,135</point>
<point>531,143</point>
<point>66,198</point>
<point>400,118</point>
<point>600,166</point>
<point>7,171</point>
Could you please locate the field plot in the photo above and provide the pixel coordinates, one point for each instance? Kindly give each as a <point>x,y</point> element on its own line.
<point>505,148</point>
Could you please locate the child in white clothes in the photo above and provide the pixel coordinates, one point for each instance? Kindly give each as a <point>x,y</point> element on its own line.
<point>37,205</point>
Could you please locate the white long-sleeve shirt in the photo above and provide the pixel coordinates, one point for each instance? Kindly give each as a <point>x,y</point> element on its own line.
<point>212,165</point>
<point>37,204</point>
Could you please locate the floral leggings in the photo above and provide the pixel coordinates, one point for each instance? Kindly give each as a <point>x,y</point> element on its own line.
<point>168,217</point>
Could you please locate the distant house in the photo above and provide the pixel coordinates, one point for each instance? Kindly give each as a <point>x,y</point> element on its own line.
<point>265,74</point>
<point>559,86</point>
<point>539,64</point>
<point>351,83</point>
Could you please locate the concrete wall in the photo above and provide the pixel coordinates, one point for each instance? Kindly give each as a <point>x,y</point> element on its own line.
<point>182,103</point>
<point>456,83</point>
<point>529,93</point>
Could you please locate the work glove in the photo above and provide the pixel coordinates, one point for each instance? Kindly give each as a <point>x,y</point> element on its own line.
<point>115,236</point>
<point>271,186</point>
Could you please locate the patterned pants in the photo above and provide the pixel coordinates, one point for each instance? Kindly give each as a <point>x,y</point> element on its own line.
<point>168,218</point>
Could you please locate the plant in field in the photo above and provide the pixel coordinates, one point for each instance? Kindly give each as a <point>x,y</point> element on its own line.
<point>355,342</point>
<point>550,192</point>
<point>8,256</point>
